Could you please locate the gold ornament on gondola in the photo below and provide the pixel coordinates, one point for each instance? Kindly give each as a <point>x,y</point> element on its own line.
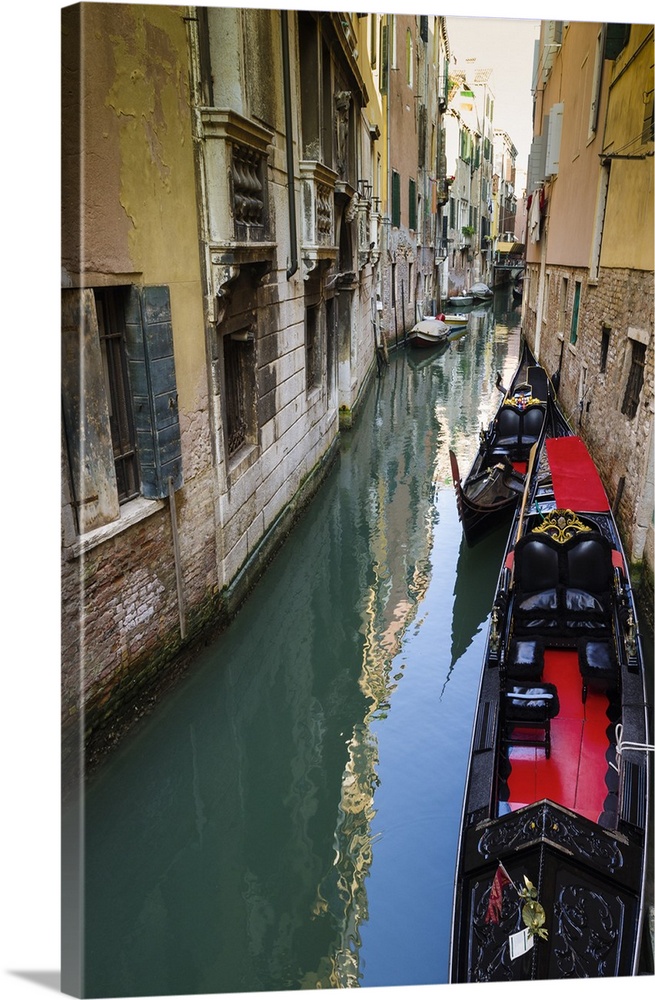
<point>533,913</point>
<point>561,525</point>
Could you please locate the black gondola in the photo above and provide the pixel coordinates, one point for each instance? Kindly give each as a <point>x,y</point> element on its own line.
<point>551,864</point>
<point>495,483</point>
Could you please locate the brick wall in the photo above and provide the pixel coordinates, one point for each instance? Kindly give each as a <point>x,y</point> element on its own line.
<point>622,301</point>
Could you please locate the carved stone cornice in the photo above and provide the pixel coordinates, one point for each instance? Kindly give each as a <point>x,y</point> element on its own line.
<point>223,123</point>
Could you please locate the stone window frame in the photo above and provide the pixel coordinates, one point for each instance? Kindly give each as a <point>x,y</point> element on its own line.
<point>638,340</point>
<point>86,418</point>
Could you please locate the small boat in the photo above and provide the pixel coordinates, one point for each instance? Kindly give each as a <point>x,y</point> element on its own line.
<point>481,292</point>
<point>455,319</point>
<point>461,300</point>
<point>491,490</point>
<point>428,332</point>
<point>552,856</point>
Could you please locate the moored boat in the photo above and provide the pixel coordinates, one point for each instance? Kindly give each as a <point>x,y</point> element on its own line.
<point>455,319</point>
<point>481,292</point>
<point>428,332</point>
<point>461,300</point>
<point>528,412</point>
<point>552,856</point>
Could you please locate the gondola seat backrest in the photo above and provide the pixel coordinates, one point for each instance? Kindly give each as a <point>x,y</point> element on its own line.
<point>508,427</point>
<point>562,585</point>
<point>532,420</point>
<point>517,429</point>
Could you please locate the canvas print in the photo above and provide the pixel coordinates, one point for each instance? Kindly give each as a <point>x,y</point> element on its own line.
<point>357,499</point>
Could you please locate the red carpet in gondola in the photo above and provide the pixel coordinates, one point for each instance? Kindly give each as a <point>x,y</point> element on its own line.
<point>574,775</point>
<point>575,479</point>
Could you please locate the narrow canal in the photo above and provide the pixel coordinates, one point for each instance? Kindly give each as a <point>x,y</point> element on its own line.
<point>287,818</point>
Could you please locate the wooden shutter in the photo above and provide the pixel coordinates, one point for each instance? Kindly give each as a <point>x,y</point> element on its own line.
<point>395,198</point>
<point>149,341</point>
<point>85,413</point>
<point>412,204</point>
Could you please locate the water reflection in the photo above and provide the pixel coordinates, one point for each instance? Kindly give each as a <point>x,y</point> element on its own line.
<point>251,835</point>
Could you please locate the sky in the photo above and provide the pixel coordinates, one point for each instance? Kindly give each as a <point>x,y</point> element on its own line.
<point>506,46</point>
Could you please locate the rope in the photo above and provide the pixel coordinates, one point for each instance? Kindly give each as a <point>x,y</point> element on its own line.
<point>622,745</point>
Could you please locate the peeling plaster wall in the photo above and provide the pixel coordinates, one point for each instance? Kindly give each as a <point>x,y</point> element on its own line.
<point>129,217</point>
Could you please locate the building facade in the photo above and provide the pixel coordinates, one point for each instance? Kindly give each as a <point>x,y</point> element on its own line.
<point>588,298</point>
<point>224,178</point>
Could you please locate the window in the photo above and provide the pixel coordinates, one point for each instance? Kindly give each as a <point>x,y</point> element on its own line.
<point>316,92</point>
<point>239,367</point>
<point>563,296</point>
<point>384,59</point>
<point>635,380</point>
<point>604,346</point>
<point>313,345</point>
<point>574,316</point>
<point>373,42</point>
<point>111,331</point>
<point>119,398</point>
<point>409,57</point>
<point>599,222</point>
<point>395,198</point>
<point>596,84</point>
<point>412,204</point>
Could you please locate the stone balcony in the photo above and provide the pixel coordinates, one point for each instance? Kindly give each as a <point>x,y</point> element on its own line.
<point>317,186</point>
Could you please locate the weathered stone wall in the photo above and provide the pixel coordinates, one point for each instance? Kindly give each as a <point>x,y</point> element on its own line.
<point>622,301</point>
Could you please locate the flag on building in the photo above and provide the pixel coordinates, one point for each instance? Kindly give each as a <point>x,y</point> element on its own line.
<point>501,879</point>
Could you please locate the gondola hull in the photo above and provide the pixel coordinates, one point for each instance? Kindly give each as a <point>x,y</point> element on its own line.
<point>555,815</point>
<point>490,492</point>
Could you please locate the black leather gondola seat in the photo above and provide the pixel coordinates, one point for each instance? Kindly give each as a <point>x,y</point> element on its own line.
<point>508,428</point>
<point>562,586</point>
<point>532,422</point>
<point>518,429</point>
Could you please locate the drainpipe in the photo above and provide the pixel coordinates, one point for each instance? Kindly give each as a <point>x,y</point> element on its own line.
<point>286,72</point>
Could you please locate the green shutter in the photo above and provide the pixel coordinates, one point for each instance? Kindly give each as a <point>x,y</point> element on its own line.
<point>576,309</point>
<point>412,204</point>
<point>395,198</point>
<point>149,342</point>
<point>384,59</point>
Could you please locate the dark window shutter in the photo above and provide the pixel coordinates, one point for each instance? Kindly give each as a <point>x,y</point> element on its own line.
<point>424,27</point>
<point>412,204</point>
<point>149,341</point>
<point>384,59</point>
<point>395,198</point>
<point>616,39</point>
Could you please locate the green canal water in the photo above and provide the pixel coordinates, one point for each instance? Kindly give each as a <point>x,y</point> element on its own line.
<point>287,818</point>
